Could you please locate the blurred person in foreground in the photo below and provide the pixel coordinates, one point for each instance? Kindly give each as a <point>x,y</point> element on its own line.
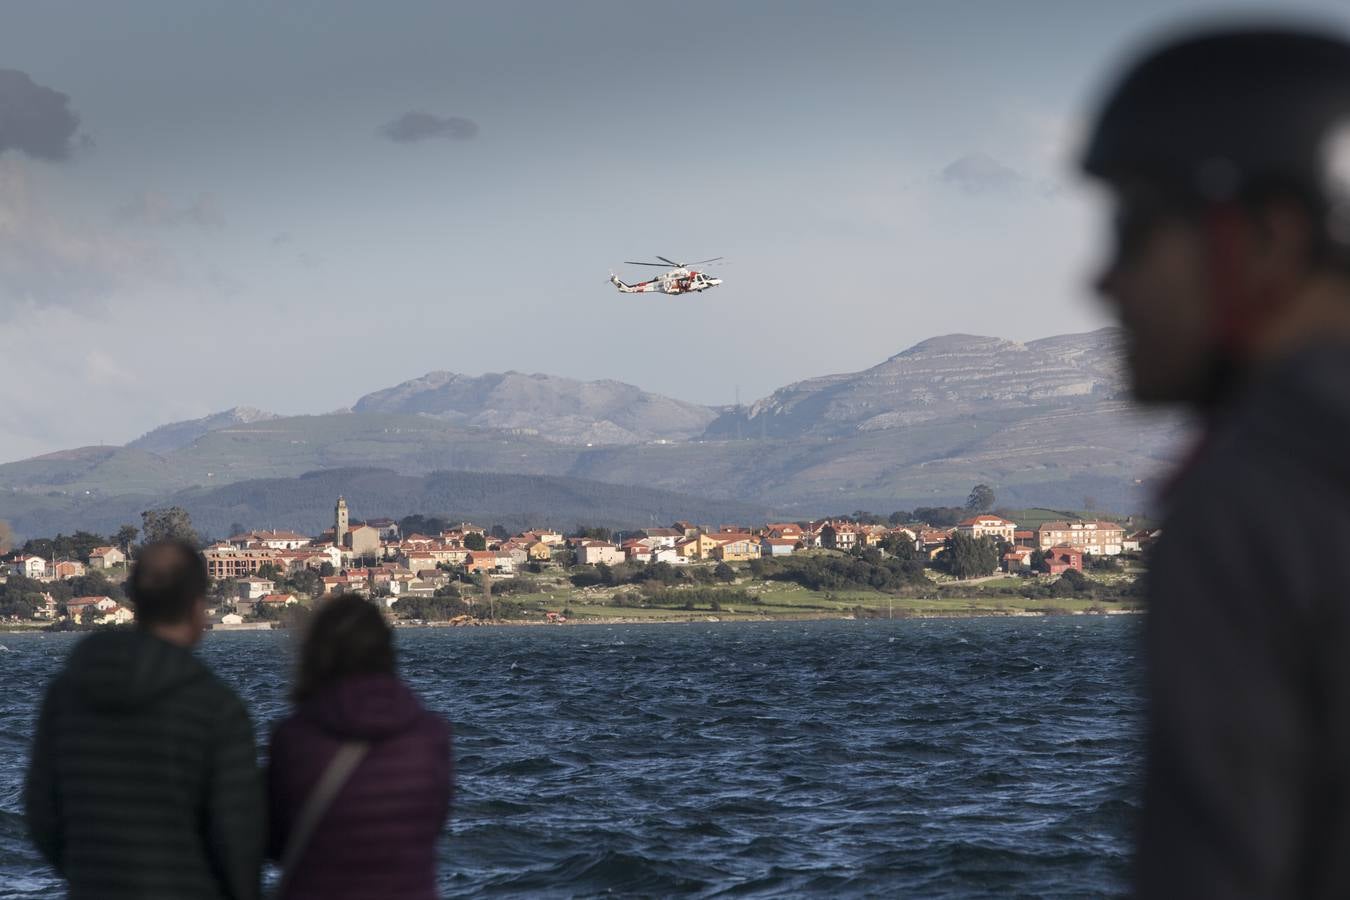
<point>360,773</point>
<point>1228,155</point>
<point>144,779</point>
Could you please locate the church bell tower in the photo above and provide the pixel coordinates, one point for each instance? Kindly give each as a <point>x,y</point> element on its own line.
<point>340,522</point>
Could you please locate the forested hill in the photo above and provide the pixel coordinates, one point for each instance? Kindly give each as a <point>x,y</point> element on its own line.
<point>305,503</point>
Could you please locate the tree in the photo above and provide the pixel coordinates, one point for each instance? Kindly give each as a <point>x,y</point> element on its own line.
<point>475,541</point>
<point>306,581</point>
<point>940,516</point>
<point>901,546</point>
<point>6,536</point>
<point>429,525</point>
<point>592,533</point>
<point>125,536</point>
<point>966,556</point>
<point>981,499</point>
<point>724,572</point>
<point>236,529</point>
<point>170,523</point>
<point>326,570</point>
<point>499,532</point>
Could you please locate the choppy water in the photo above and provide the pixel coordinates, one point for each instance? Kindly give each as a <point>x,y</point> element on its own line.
<point>982,757</point>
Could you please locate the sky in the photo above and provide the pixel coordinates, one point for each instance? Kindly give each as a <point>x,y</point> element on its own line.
<point>290,205</point>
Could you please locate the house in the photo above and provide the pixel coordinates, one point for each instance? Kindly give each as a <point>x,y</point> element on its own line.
<point>769,546</point>
<point>932,540</point>
<point>784,531</point>
<point>688,529</point>
<point>700,546</point>
<point>1063,558</point>
<point>1019,559</point>
<point>77,606</point>
<point>540,551</point>
<point>28,566</point>
<point>662,537</point>
<point>669,555</point>
<point>735,547</point>
<point>1138,540</point>
<point>254,588</point>
<point>1097,538</point>
<point>481,561</point>
<point>590,553</point>
<point>841,536</point>
<point>506,562</point>
<point>419,561</point>
<point>106,558</point>
<point>47,610</point>
<point>637,551</point>
<point>67,568</point>
<point>1024,538</point>
<point>516,551</point>
<point>422,541</point>
<point>118,615</point>
<point>334,584</point>
<point>873,535</point>
<point>273,540</point>
<point>996,527</point>
<point>278,600</point>
<point>307,558</point>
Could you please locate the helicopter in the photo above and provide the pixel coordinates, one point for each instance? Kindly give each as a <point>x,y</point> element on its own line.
<point>679,280</point>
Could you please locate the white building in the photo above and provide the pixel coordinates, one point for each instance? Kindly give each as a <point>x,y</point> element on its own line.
<point>590,553</point>
<point>254,588</point>
<point>1097,538</point>
<point>669,555</point>
<point>28,566</point>
<point>996,527</point>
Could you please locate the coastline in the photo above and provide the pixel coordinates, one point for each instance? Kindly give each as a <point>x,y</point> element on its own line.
<point>806,617</point>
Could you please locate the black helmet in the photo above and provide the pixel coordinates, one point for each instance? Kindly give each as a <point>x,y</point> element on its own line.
<point>1222,112</point>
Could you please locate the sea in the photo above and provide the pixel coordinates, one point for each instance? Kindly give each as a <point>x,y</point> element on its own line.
<point>984,757</point>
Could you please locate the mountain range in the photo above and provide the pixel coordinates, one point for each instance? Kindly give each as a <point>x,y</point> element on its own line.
<point>1045,422</point>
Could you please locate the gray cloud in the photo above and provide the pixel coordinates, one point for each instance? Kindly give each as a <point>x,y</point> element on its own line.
<point>46,261</point>
<point>980,174</point>
<point>154,208</point>
<point>421,126</point>
<point>35,120</point>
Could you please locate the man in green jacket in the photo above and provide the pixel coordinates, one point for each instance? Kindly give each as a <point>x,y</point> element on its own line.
<point>144,779</point>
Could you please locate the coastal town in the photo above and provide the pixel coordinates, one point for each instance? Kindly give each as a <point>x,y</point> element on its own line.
<point>260,577</point>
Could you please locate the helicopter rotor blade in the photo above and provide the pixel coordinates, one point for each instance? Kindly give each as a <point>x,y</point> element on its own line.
<point>629,262</point>
<point>701,261</point>
<point>671,262</point>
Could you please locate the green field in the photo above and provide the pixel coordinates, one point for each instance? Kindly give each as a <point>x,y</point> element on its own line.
<point>772,600</point>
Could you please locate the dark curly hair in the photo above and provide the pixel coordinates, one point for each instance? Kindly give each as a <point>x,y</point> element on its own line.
<point>347,636</point>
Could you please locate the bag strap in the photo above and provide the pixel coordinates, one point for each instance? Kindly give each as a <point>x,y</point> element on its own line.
<point>339,769</point>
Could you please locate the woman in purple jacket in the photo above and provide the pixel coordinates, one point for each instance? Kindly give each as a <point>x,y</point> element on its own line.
<point>378,835</point>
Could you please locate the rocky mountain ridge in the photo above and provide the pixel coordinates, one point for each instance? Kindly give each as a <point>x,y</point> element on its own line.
<point>1045,422</point>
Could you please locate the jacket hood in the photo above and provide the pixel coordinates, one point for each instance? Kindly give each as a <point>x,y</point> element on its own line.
<point>365,707</point>
<point>128,668</point>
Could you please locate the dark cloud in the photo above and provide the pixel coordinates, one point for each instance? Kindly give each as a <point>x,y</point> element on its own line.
<point>421,126</point>
<point>35,120</point>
